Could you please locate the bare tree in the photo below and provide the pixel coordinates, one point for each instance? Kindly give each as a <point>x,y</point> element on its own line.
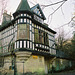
<point>62,43</point>
<point>60,40</point>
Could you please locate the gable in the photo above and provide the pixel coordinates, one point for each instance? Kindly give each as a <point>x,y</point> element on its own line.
<point>37,10</point>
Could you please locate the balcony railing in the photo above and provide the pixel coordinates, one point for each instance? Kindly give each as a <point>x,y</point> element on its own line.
<point>27,44</point>
<point>24,44</point>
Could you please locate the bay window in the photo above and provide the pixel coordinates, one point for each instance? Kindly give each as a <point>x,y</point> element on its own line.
<point>46,40</point>
<point>41,36</point>
<point>36,35</point>
<point>23,31</point>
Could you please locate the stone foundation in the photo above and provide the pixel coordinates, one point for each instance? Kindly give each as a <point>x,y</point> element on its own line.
<point>26,62</point>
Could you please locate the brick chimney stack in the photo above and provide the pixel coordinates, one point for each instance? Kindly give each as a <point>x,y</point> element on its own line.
<point>6,17</point>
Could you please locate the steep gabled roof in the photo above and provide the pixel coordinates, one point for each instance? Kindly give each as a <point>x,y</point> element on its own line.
<point>38,6</point>
<point>23,6</point>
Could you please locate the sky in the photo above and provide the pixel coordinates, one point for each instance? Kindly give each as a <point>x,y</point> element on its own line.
<point>62,16</point>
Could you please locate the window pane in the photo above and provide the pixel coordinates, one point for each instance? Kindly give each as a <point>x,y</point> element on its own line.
<point>21,20</point>
<point>24,14</point>
<point>41,37</point>
<point>23,31</point>
<point>24,20</point>
<point>30,21</point>
<point>18,20</point>
<point>36,39</point>
<point>27,20</point>
<point>21,14</point>
<point>30,44</point>
<point>22,26</point>
<point>46,41</point>
<point>32,29</point>
<point>28,35</point>
<point>22,34</point>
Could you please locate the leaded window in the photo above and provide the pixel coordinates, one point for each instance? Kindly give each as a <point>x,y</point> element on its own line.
<point>23,31</point>
<point>36,39</point>
<point>41,36</point>
<point>46,40</point>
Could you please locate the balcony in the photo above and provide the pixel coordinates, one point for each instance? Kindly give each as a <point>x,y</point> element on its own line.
<point>27,45</point>
<point>24,44</point>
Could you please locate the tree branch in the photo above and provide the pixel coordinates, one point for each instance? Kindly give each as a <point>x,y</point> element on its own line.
<point>66,23</point>
<point>62,11</point>
<point>55,11</point>
<point>52,4</point>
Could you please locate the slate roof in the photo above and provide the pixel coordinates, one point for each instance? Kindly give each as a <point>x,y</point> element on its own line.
<point>23,6</point>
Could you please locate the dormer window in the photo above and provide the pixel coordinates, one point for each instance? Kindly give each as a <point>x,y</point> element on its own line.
<point>35,10</point>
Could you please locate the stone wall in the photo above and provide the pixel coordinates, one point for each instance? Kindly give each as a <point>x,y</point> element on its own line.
<point>5,69</point>
<point>33,64</point>
<point>26,62</point>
